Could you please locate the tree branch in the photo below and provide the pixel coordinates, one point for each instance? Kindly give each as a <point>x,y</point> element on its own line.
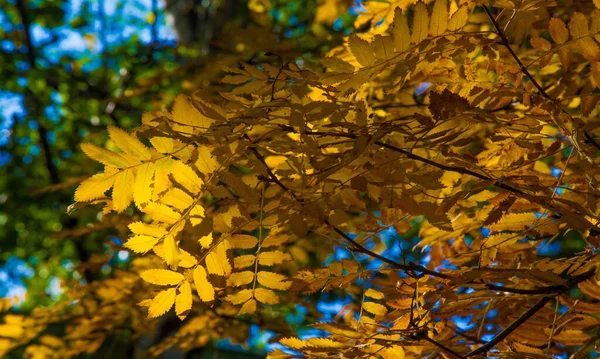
<point>31,59</point>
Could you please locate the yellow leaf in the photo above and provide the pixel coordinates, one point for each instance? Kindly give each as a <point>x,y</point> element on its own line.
<point>206,240</point>
<point>595,67</point>
<point>183,301</point>
<point>177,199</point>
<point>401,32</point>
<point>11,330</point>
<point>123,190</point>
<point>266,296</point>
<point>248,308</point>
<point>243,261</point>
<point>542,167</point>
<point>171,251</point>
<point>558,31</point>
<point>240,278</point>
<point>185,113</point>
<point>243,241</point>
<point>104,156</point>
<point>569,337</point>
<point>240,297</point>
<point>362,50</point>
<point>161,303</point>
<point>374,308</point>
<point>142,191</point>
<point>161,213</point>
<point>129,143</point>
<point>514,221</point>
<point>439,18</point>
<point>94,187</point>
<point>147,229</point>
<point>161,276</point>
<point>295,343</point>
<point>392,352</point>
<point>597,3</point>
<point>186,176</point>
<point>273,258</point>
<point>186,260</point>
<point>589,49</point>
<point>141,243</point>
<point>384,48</point>
<point>217,261</point>
<point>459,18</point>
<point>420,25</point>
<point>205,289</point>
<point>578,26</point>
<point>372,293</point>
<point>206,162</point>
<point>273,280</point>
<point>541,44</point>
<point>162,144</point>
<point>162,182</point>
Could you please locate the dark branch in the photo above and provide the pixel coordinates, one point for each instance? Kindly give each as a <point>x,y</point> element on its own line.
<point>511,328</point>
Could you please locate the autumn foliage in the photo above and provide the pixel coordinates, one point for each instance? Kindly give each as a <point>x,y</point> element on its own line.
<point>473,125</point>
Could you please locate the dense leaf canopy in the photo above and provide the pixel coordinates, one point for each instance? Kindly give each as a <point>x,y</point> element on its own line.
<point>436,173</point>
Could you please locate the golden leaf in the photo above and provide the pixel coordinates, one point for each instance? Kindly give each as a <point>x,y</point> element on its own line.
<point>272,280</point>
<point>248,308</point>
<point>147,229</point>
<point>217,261</point>
<point>558,31</point>
<point>162,144</point>
<point>141,243</point>
<point>240,278</point>
<point>578,26</point>
<point>239,297</point>
<point>183,301</point>
<point>142,191</point>
<point>459,18</point>
<point>171,251</point>
<point>104,156</point>
<point>589,48</point>
<point>161,213</point>
<point>184,113</point>
<point>374,308</point>
<point>177,199</point>
<point>123,190</point>
<point>243,261</point>
<point>11,330</point>
<point>539,43</point>
<point>401,32</point>
<point>206,162</point>
<point>273,258</point>
<point>420,25</point>
<point>372,293</point>
<point>186,176</point>
<point>439,18</point>
<point>266,296</point>
<point>128,143</point>
<point>362,50</point>
<point>205,289</point>
<point>94,187</point>
<point>206,241</point>
<point>161,277</point>
<point>161,303</point>
<point>243,241</point>
<point>384,47</point>
<point>392,352</point>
